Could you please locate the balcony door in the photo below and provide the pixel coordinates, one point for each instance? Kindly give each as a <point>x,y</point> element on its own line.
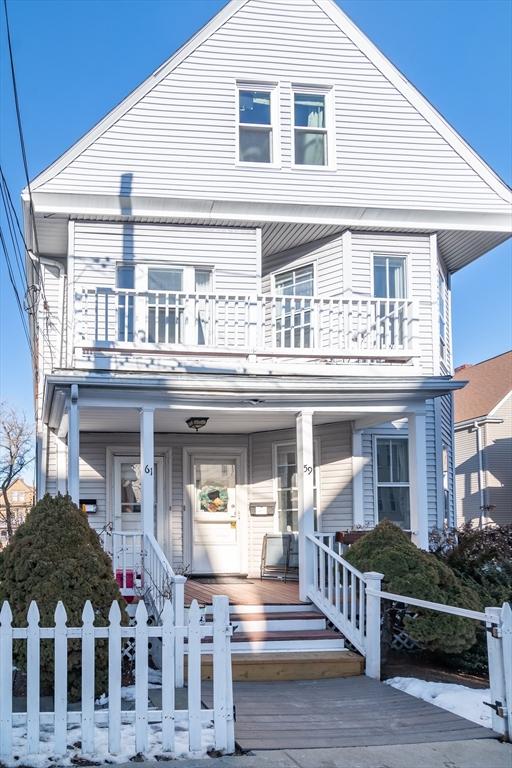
<point>294,312</point>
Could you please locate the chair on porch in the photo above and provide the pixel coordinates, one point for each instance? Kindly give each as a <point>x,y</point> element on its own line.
<point>280,556</point>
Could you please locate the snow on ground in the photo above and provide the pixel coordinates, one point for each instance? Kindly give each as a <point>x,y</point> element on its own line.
<point>101,753</point>
<point>459,699</point>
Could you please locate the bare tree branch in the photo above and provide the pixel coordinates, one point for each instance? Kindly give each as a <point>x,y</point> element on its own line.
<point>15,450</point>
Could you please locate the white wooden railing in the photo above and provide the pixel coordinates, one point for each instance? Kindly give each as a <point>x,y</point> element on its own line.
<point>352,326</point>
<point>338,589</point>
<point>128,729</point>
<point>141,569</point>
<point>351,600</point>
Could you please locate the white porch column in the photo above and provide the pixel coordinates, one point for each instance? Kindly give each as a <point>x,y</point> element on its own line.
<point>147,466</point>
<point>74,445</point>
<point>357,478</point>
<point>305,482</point>
<point>418,477</point>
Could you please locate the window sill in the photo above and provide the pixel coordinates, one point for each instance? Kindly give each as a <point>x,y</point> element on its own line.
<point>271,166</point>
<point>320,168</point>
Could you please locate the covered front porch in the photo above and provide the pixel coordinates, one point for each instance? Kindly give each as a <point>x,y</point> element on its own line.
<point>289,456</point>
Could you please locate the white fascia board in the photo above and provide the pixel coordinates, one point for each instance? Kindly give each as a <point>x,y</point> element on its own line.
<point>163,70</point>
<point>254,213</point>
<point>478,421</point>
<point>500,403</point>
<point>415,98</point>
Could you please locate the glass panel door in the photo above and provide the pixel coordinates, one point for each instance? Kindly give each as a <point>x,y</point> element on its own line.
<point>294,324</point>
<point>215,536</point>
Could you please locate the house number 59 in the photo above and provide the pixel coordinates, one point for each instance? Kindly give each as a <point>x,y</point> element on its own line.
<point>148,470</point>
<point>307,469</point>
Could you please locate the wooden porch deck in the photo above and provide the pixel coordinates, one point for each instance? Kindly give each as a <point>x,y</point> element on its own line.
<point>348,712</point>
<point>242,591</point>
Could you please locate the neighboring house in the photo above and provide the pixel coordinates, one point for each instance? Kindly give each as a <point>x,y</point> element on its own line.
<point>262,237</point>
<point>21,497</point>
<point>483,441</point>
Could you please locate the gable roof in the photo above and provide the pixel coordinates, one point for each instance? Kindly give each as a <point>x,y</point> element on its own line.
<point>489,382</point>
<point>342,21</point>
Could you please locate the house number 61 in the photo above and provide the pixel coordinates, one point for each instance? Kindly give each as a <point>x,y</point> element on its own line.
<point>307,469</point>
<point>148,470</point>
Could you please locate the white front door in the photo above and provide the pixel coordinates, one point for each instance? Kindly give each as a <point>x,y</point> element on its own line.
<point>127,493</point>
<point>216,520</point>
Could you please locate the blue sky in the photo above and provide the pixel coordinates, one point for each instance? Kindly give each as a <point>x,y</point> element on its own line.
<point>76,59</point>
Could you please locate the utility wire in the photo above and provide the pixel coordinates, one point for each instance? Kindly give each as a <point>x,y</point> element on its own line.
<point>15,289</point>
<point>13,209</point>
<point>12,231</point>
<point>23,148</point>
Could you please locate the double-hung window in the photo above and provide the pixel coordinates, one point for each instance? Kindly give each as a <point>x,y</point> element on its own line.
<point>293,321</point>
<point>389,277</point>
<point>392,480</point>
<point>255,135</point>
<point>310,128</point>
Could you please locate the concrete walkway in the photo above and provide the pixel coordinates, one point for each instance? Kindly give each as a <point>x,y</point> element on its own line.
<point>481,753</point>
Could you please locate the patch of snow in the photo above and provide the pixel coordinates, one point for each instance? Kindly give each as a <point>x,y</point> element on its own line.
<point>459,699</point>
<point>101,754</point>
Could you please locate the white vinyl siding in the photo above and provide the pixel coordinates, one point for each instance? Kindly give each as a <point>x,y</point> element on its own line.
<point>416,252</point>
<point>395,430</point>
<point>387,153</point>
<point>326,257</point>
<point>230,253</point>
<point>334,478</point>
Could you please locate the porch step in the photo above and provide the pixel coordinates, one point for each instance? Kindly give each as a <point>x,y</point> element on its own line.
<point>258,608</point>
<point>283,665</point>
<point>283,640</point>
<point>276,621</point>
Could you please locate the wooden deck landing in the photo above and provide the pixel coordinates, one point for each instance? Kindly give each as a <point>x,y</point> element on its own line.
<point>348,712</point>
<point>243,591</point>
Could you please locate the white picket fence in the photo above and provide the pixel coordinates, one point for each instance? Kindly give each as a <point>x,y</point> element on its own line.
<point>91,716</point>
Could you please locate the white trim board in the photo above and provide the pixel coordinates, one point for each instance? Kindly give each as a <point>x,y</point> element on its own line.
<point>343,22</point>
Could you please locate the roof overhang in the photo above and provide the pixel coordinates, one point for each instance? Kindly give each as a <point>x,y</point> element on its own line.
<point>244,391</point>
<point>463,235</point>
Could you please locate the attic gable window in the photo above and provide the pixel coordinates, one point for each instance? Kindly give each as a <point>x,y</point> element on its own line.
<point>310,129</point>
<point>255,138</point>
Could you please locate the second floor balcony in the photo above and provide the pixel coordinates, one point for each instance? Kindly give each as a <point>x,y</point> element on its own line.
<point>243,324</point>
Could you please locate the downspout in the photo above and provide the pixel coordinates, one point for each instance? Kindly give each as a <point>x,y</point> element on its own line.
<point>481,479</point>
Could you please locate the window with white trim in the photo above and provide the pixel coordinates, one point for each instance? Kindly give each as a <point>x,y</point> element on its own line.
<point>392,480</point>
<point>442,289</point>
<point>255,135</point>
<point>293,322</point>
<point>389,277</point>
<point>287,487</point>
<point>310,128</point>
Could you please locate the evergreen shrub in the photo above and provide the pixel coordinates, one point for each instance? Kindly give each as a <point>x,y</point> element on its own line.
<point>55,555</point>
<point>411,572</point>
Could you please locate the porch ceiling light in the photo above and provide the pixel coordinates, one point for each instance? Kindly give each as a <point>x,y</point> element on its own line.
<point>196,422</point>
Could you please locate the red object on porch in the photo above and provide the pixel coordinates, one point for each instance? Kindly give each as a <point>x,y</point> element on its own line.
<point>129,582</point>
<point>349,537</point>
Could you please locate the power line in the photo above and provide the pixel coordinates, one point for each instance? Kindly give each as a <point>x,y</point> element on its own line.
<point>22,143</point>
<point>12,231</point>
<point>15,289</point>
<point>13,209</point>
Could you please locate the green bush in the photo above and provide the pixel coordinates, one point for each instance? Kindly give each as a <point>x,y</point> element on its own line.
<point>55,555</point>
<point>412,572</point>
<point>482,559</point>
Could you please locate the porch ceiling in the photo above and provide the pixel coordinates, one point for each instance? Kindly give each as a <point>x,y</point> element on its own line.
<point>219,422</point>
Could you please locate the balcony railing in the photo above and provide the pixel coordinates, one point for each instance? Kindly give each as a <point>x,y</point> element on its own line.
<point>235,323</point>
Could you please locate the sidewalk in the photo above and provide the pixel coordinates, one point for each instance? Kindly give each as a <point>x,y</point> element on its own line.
<point>452,754</point>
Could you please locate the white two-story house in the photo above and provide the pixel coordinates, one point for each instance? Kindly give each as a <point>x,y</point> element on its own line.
<point>243,324</point>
